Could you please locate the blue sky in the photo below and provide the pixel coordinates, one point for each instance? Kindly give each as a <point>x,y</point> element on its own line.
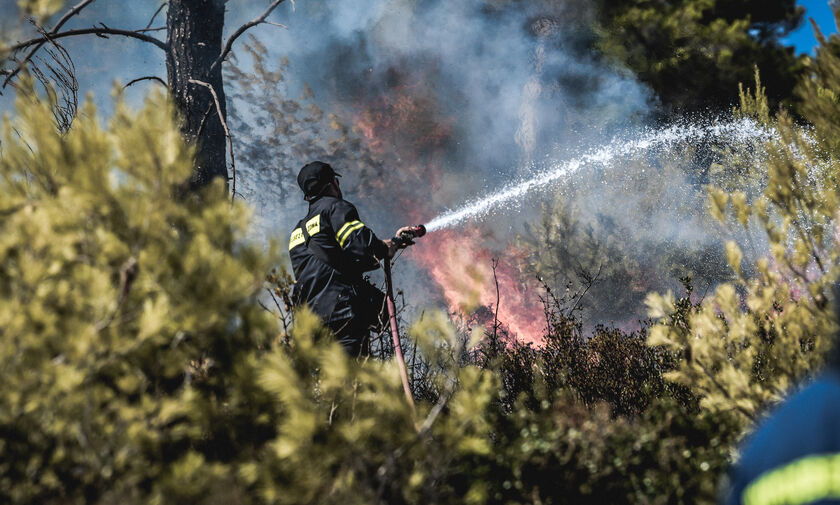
<point>803,38</point>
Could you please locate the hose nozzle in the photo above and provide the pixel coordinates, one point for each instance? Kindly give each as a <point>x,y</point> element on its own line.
<point>407,237</point>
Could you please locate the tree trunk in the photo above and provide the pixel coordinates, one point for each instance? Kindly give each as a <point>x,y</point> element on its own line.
<point>194,29</point>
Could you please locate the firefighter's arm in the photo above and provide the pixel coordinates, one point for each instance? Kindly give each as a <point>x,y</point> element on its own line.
<point>353,236</point>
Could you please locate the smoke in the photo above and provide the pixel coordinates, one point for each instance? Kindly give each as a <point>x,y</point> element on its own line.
<point>498,71</point>
<point>424,105</point>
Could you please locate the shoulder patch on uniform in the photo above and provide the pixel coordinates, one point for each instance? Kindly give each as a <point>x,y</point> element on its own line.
<point>296,239</point>
<point>313,226</point>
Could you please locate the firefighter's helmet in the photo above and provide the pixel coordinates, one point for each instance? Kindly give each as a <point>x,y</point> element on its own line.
<point>314,178</point>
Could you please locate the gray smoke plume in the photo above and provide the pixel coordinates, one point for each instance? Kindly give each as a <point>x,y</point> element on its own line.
<point>424,105</point>
<point>515,81</point>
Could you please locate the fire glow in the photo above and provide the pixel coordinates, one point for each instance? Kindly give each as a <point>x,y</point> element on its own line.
<point>403,126</point>
<point>468,281</point>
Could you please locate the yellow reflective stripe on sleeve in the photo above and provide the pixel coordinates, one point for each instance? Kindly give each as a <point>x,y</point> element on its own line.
<point>349,232</point>
<point>344,229</point>
<point>296,239</point>
<point>805,480</point>
<point>346,225</point>
<point>313,226</point>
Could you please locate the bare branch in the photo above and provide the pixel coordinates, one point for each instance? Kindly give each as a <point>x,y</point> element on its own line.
<point>590,281</point>
<point>204,120</point>
<point>156,29</point>
<point>69,14</point>
<point>164,4</point>
<point>280,312</point>
<point>128,273</point>
<point>101,31</point>
<point>227,131</point>
<point>242,29</point>
<point>494,263</point>
<point>72,12</point>
<point>146,78</point>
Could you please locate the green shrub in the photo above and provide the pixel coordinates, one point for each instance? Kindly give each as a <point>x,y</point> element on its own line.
<point>141,367</point>
<point>750,341</point>
<point>127,314</point>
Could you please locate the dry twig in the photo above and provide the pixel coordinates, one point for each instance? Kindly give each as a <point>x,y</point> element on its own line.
<point>227,131</point>
<point>146,78</point>
<point>242,29</point>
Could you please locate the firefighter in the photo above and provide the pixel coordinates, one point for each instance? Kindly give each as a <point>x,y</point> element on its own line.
<point>330,249</point>
<point>793,457</point>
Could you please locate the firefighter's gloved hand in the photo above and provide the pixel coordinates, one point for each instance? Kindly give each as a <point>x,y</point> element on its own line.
<point>401,240</point>
<point>409,232</point>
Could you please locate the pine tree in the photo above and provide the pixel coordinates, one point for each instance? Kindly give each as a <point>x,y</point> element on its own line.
<point>127,315</point>
<point>693,53</point>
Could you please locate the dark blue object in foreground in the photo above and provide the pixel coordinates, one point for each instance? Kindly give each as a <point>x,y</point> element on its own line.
<point>793,458</point>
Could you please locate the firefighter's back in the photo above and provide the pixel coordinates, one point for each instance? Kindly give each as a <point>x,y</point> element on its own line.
<point>325,277</point>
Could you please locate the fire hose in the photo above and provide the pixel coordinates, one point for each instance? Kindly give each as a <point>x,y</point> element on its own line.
<point>403,240</point>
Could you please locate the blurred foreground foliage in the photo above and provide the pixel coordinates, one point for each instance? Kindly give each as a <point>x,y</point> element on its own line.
<point>141,366</point>
<point>128,314</point>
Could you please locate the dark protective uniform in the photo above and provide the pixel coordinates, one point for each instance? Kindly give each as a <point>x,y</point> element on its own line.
<point>330,249</point>
<point>793,458</point>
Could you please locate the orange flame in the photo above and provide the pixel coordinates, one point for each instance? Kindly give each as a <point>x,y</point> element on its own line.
<point>464,270</point>
<point>404,128</point>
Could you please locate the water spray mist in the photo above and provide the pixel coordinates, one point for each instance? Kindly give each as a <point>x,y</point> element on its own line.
<point>737,131</point>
